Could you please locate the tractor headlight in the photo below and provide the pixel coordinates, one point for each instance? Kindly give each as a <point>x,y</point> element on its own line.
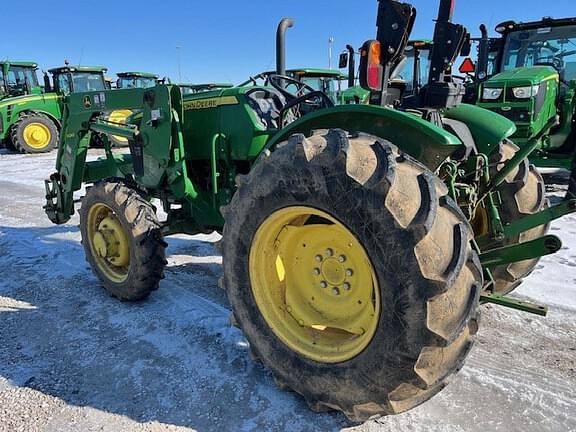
<point>492,93</point>
<point>525,92</point>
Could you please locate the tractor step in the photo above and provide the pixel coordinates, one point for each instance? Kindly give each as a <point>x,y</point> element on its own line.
<point>512,303</point>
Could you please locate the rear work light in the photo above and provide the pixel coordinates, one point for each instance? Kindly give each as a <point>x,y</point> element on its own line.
<point>371,69</point>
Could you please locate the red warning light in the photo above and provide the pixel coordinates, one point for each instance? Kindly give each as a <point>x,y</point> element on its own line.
<point>467,66</point>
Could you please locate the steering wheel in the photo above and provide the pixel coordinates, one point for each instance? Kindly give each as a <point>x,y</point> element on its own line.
<point>303,100</point>
<point>303,91</point>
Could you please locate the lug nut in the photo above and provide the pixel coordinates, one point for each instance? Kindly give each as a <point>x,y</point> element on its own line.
<point>316,272</point>
<point>349,272</point>
<point>319,258</point>
<point>323,284</point>
<point>342,258</point>
<point>329,252</point>
<point>346,286</point>
<point>336,291</point>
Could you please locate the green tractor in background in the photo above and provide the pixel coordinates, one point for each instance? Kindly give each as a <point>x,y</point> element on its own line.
<point>358,240</point>
<point>18,79</point>
<point>136,80</point>
<point>31,123</point>
<point>529,76</point>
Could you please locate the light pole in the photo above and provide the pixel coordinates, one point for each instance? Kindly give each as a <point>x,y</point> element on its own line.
<point>330,45</point>
<point>179,63</point>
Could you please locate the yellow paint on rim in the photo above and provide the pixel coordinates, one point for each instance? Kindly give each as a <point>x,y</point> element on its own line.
<point>109,243</point>
<point>120,117</point>
<point>37,135</point>
<point>314,284</point>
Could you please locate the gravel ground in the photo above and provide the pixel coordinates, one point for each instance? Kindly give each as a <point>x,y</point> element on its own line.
<point>74,359</point>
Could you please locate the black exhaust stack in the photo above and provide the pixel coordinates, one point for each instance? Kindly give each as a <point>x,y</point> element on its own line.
<point>284,25</point>
<point>483,52</point>
<point>47,86</point>
<point>351,66</point>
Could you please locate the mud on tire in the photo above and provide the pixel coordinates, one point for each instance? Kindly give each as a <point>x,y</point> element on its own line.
<point>418,241</point>
<point>140,225</point>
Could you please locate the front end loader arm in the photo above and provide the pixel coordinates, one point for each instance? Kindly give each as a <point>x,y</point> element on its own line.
<point>84,119</point>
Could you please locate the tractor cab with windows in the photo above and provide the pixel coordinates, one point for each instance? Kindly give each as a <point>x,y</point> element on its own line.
<point>70,79</point>
<point>136,80</point>
<point>18,79</point>
<point>534,85</point>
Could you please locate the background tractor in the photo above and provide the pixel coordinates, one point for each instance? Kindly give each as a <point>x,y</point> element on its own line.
<point>18,79</point>
<point>136,80</point>
<point>529,76</point>
<point>31,123</point>
<point>358,240</point>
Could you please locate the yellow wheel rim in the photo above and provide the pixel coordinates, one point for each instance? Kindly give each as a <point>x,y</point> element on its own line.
<point>314,284</point>
<point>37,135</point>
<point>109,244</point>
<point>120,117</point>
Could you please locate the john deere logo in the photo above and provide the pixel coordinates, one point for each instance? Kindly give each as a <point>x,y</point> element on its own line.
<point>87,102</point>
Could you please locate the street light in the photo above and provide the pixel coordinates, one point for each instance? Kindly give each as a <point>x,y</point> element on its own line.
<point>179,63</point>
<point>330,45</point>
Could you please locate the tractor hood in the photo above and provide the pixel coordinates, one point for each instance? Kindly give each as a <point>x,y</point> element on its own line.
<point>523,76</point>
<point>25,99</point>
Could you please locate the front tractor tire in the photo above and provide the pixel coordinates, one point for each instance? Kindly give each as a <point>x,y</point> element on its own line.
<point>351,273</point>
<point>122,240</point>
<point>34,133</point>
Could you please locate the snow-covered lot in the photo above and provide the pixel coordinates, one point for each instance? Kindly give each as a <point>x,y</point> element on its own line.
<point>74,359</point>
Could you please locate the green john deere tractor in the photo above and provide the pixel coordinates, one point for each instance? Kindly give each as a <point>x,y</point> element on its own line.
<point>18,79</point>
<point>532,82</point>
<point>136,80</point>
<point>358,240</point>
<point>31,123</point>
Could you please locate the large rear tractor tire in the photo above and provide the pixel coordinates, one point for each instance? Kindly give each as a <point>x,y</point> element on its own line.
<point>34,133</point>
<point>122,240</point>
<point>522,193</point>
<point>351,273</point>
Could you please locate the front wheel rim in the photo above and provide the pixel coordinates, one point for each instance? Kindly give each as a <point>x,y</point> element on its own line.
<point>109,243</point>
<point>314,284</point>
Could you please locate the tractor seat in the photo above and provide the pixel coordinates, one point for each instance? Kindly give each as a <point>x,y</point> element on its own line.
<point>267,103</point>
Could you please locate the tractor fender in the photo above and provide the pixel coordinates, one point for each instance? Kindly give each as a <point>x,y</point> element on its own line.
<point>420,139</point>
<point>44,113</point>
<point>488,128</point>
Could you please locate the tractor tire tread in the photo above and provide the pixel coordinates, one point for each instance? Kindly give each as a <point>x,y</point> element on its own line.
<point>445,280</point>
